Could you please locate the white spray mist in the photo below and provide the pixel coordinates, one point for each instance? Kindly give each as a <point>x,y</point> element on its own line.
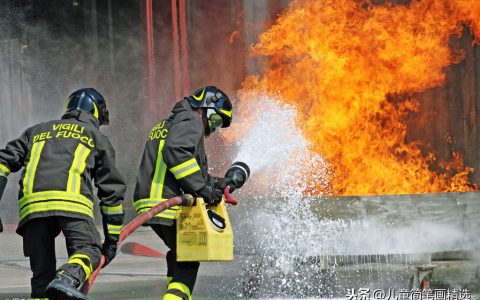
<point>277,229</point>
<point>276,151</point>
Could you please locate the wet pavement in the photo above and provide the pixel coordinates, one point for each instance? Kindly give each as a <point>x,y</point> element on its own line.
<point>375,242</point>
<point>127,277</point>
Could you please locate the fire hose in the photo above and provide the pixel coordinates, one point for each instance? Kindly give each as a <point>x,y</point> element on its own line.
<point>185,200</point>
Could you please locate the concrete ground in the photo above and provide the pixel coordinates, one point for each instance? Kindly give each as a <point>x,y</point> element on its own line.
<point>140,277</point>
<point>127,277</point>
<point>255,273</point>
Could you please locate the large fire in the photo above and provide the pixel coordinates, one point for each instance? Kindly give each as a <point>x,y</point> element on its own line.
<point>351,68</point>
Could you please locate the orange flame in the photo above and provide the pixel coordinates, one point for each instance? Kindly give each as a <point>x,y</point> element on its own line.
<point>351,68</point>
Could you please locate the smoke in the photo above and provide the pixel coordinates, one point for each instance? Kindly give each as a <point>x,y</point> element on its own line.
<point>47,52</point>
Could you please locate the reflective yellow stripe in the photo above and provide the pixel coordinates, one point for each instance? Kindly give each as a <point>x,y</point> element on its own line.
<point>55,200</point>
<point>80,262</point>
<point>4,170</point>
<point>183,165</point>
<point>55,205</point>
<point>181,287</point>
<point>138,204</point>
<point>200,97</point>
<point>143,205</point>
<point>147,206</point>
<point>78,166</point>
<point>31,167</point>
<point>168,296</point>
<point>227,112</point>
<point>166,214</point>
<point>186,168</point>
<point>112,210</point>
<point>114,229</point>
<point>171,297</point>
<point>188,172</point>
<point>95,111</point>
<point>156,190</point>
<point>55,195</point>
<point>149,202</point>
<point>79,259</point>
<point>169,279</point>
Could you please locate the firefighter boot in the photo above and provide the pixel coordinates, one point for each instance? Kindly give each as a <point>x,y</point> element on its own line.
<point>64,287</point>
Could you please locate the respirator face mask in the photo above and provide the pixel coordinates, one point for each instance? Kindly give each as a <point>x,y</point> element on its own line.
<point>214,120</point>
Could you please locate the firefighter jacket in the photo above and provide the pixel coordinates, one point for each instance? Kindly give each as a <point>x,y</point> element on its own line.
<point>61,158</point>
<point>173,162</point>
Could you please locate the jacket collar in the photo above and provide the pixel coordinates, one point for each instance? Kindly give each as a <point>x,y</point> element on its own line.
<point>82,116</point>
<point>182,105</point>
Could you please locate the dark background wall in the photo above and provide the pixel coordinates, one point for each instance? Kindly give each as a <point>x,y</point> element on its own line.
<point>49,48</point>
<point>448,119</point>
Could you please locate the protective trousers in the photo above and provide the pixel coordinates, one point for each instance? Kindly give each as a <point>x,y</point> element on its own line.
<point>83,243</point>
<point>181,276</point>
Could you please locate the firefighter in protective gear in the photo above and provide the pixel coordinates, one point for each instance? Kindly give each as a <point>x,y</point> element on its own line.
<point>174,163</point>
<point>61,158</point>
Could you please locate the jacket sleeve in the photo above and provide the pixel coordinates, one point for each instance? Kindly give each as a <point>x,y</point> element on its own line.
<point>111,190</point>
<point>179,153</point>
<point>13,156</point>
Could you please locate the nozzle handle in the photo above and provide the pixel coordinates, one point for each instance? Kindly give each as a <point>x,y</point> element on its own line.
<point>228,198</point>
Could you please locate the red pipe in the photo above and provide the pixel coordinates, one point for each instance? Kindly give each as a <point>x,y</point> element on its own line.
<point>187,200</point>
<point>151,74</point>
<point>183,43</point>
<point>176,51</point>
<point>131,227</point>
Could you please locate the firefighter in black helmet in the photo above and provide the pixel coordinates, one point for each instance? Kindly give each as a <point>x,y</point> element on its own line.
<point>61,158</point>
<point>173,163</point>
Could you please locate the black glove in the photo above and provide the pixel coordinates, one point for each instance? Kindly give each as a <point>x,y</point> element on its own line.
<point>109,250</point>
<point>219,183</point>
<point>229,182</point>
<point>210,194</point>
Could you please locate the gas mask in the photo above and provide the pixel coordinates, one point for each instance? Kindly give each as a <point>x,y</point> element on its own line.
<point>214,120</point>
